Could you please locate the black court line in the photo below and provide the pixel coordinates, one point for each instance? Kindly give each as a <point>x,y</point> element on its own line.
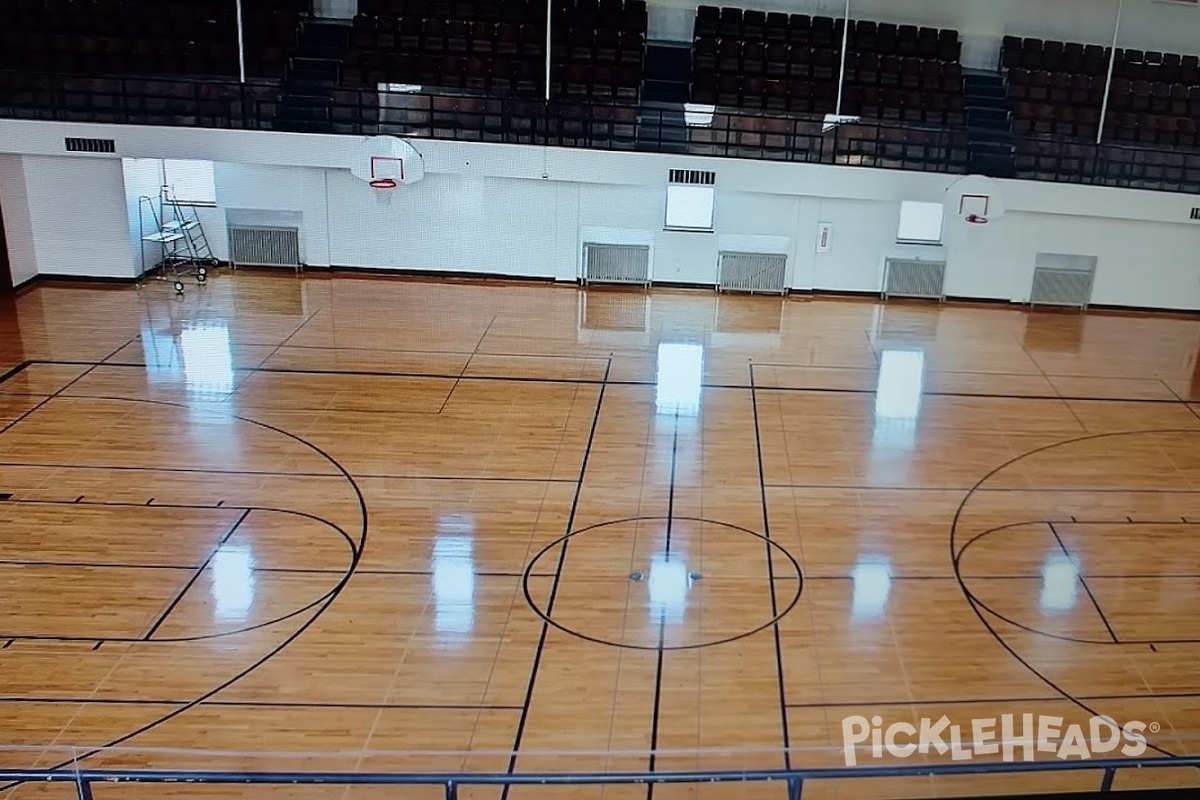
<point>657,705</point>
<point>949,489</point>
<point>15,371</point>
<point>766,517</point>
<point>141,701</point>
<point>271,473</point>
<point>662,616</point>
<point>1096,603</point>
<point>149,635</point>
<point>609,382</point>
<point>322,604</point>
<point>964,701</point>
<point>439,352</point>
<point>562,557</point>
<point>18,562</point>
<point>956,551</point>
<point>467,364</point>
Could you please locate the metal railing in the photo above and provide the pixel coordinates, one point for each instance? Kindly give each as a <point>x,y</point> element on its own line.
<point>192,102</point>
<point>1130,166</point>
<point>456,115</point>
<point>795,779</point>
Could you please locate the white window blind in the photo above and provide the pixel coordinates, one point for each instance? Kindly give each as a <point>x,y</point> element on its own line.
<point>190,182</point>
<point>690,207</point>
<point>920,223</point>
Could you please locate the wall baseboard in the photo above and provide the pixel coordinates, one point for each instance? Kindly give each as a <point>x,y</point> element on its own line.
<point>426,274</point>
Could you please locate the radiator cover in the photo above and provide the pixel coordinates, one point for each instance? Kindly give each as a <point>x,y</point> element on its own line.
<point>264,246</point>
<point>752,272</point>
<point>616,263</point>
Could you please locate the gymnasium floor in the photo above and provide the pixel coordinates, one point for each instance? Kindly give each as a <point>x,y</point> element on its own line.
<point>378,524</point>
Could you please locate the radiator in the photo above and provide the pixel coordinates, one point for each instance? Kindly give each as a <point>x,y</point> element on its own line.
<point>264,246</point>
<point>910,278</point>
<point>1061,287</point>
<point>752,272</point>
<point>616,263</point>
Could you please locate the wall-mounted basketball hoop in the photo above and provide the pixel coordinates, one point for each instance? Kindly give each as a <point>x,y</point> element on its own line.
<point>385,163</point>
<point>976,219</point>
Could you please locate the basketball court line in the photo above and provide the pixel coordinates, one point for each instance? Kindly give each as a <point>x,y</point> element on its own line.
<point>541,644</point>
<point>609,382</point>
<point>162,617</point>
<point>982,611</point>
<point>1083,582</point>
<point>557,576</point>
<point>324,603</point>
<point>766,523</point>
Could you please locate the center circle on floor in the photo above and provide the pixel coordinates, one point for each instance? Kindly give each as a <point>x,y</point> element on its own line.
<point>662,583</point>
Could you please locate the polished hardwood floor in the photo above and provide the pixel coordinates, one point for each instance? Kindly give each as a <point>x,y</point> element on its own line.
<point>379,524</point>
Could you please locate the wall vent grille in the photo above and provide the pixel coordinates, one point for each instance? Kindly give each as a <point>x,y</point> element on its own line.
<point>752,272</point>
<point>911,278</point>
<point>264,246</point>
<point>616,263</point>
<point>693,177</point>
<point>76,145</point>
<point>1061,287</point>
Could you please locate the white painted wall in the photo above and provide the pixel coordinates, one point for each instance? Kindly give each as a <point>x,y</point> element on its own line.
<point>22,255</point>
<point>143,177</point>
<point>516,210</point>
<point>77,218</point>
<point>1146,24</point>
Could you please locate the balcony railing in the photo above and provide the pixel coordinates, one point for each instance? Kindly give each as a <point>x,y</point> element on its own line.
<point>414,112</point>
<point>795,780</point>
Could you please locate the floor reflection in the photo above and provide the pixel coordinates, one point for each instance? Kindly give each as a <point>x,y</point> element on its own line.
<point>898,398</point>
<point>233,583</point>
<point>678,380</point>
<point>201,353</point>
<point>1060,583</point>
<point>872,579</point>
<point>668,584</point>
<point>453,567</point>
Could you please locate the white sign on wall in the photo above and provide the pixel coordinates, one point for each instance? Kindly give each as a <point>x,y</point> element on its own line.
<point>824,237</point>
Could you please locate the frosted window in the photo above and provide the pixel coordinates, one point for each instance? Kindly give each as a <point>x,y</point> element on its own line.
<point>190,182</point>
<point>690,208</point>
<point>920,223</point>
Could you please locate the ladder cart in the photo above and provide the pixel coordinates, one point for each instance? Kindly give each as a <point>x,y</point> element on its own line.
<point>176,230</point>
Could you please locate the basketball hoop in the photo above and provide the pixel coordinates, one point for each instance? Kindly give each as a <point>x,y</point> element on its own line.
<point>383,188</point>
<point>976,219</point>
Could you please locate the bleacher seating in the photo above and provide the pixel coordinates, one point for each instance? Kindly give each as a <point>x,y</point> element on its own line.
<point>753,59</point>
<point>598,49</point>
<point>488,46</point>
<point>1057,89</point>
<point>147,37</point>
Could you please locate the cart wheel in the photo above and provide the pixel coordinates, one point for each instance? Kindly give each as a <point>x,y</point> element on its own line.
<point>201,277</point>
<point>178,287</point>
<point>201,271</point>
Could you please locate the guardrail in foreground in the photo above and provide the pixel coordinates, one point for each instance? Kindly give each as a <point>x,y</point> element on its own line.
<point>794,779</point>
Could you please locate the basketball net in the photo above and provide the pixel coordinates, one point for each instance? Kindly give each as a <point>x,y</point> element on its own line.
<point>383,189</point>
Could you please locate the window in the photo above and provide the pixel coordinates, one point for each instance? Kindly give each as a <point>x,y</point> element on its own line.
<point>690,208</point>
<point>190,182</point>
<point>690,197</point>
<point>920,223</point>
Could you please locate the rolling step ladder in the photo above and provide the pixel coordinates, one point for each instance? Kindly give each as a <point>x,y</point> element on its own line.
<point>176,229</point>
